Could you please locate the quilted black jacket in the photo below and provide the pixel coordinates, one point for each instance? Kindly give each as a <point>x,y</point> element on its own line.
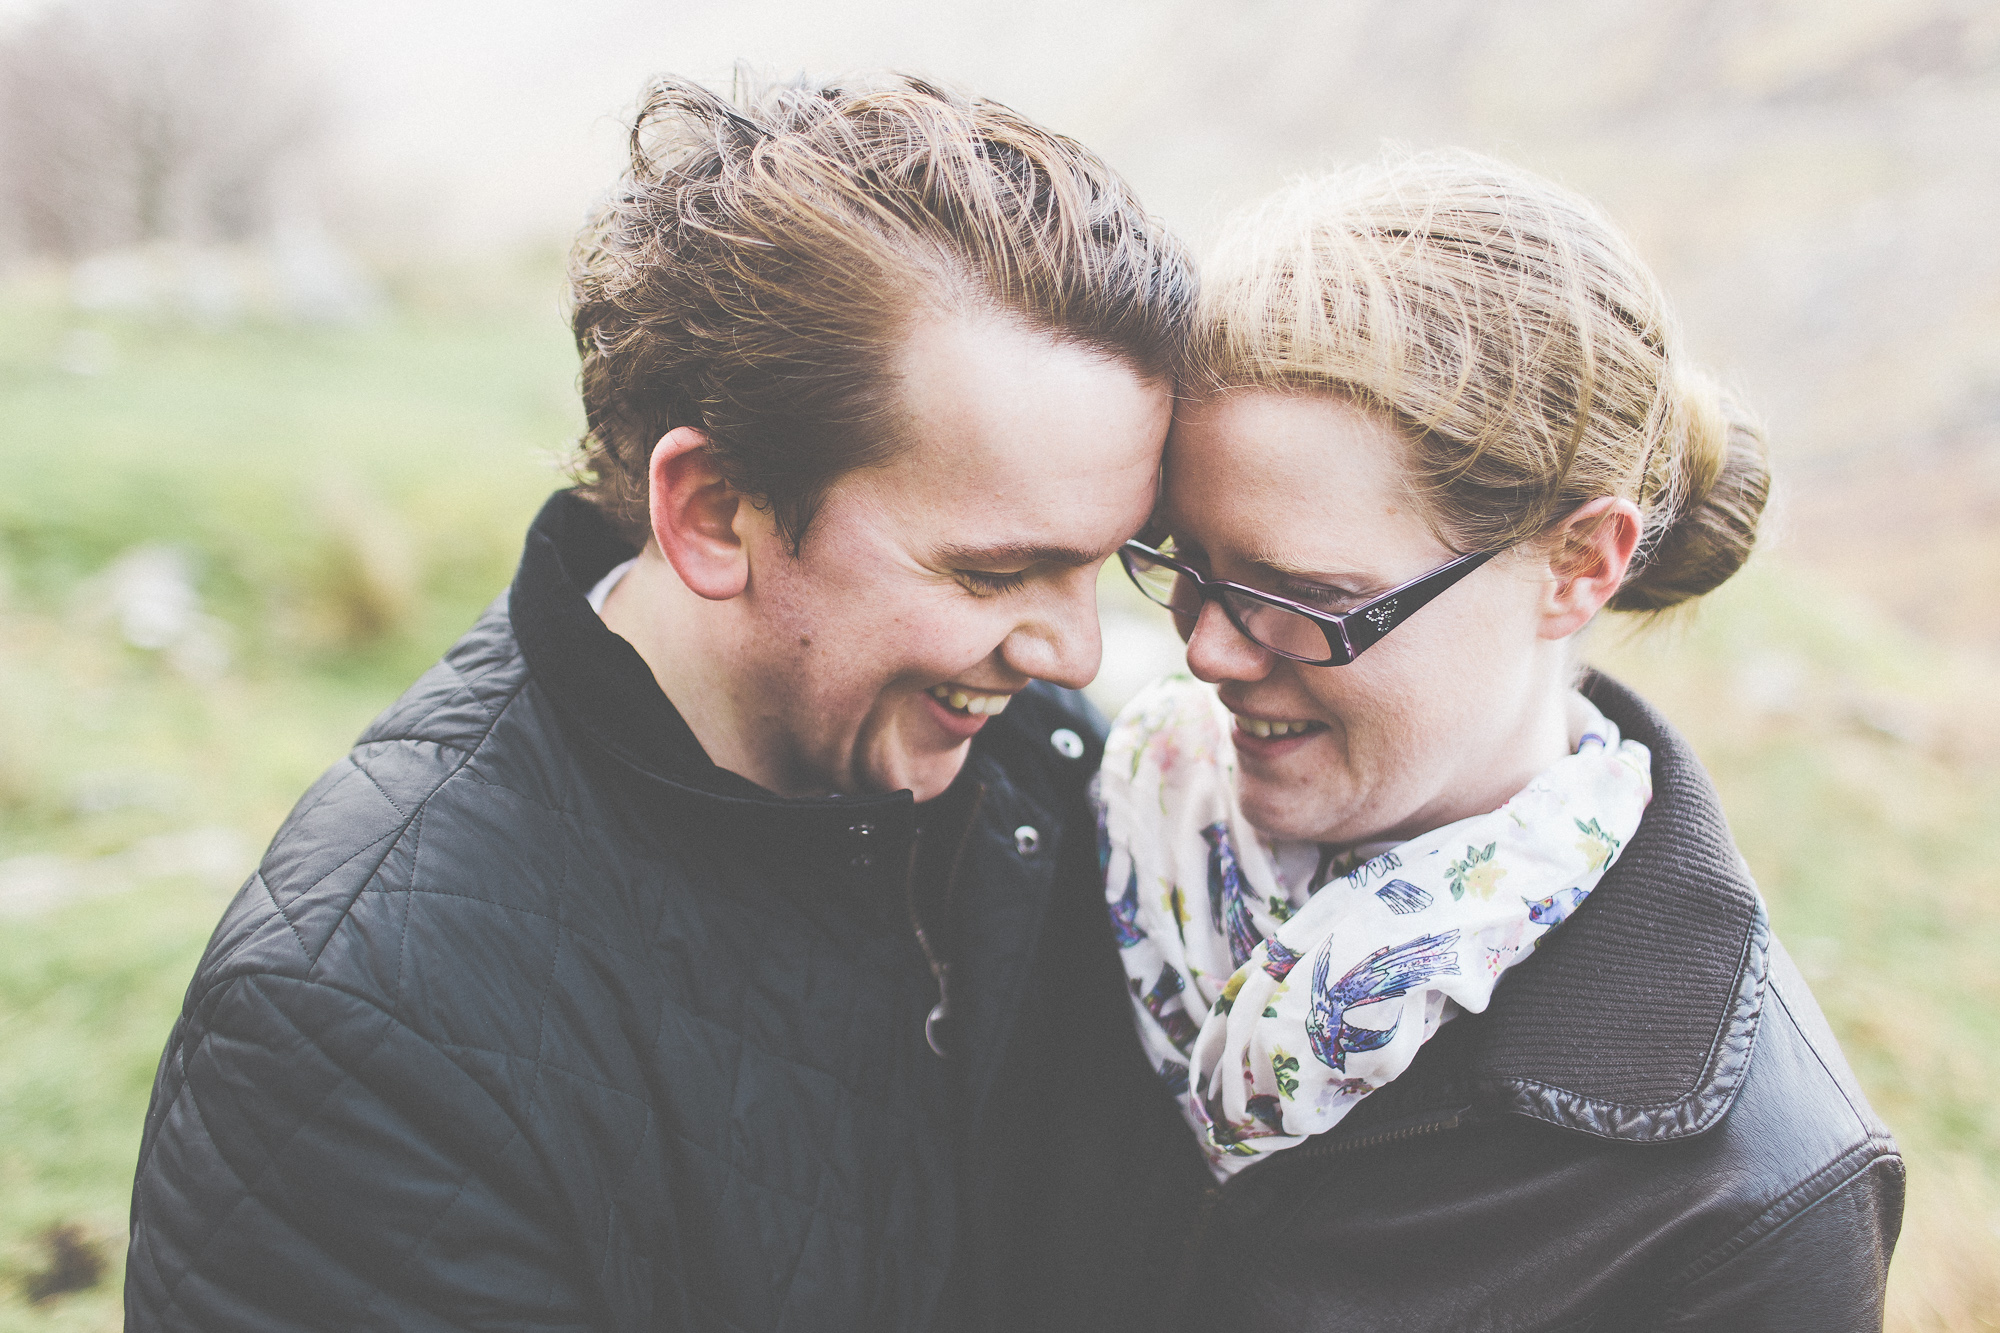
<point>533,1019</point>
<point>1650,1128</point>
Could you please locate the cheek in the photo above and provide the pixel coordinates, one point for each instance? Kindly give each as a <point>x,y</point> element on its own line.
<point>1447,677</point>
<point>908,642</point>
<point>1381,688</point>
<point>1400,701</point>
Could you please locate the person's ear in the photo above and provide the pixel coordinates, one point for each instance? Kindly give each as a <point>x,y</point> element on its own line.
<point>1588,556</point>
<point>694,513</point>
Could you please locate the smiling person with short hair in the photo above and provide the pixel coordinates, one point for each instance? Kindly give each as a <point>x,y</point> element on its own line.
<point>679,952</point>
<point>1440,941</point>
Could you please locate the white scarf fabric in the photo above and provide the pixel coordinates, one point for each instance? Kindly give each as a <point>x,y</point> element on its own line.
<point>1276,985</point>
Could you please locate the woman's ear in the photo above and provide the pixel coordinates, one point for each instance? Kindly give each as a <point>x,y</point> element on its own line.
<point>1588,556</point>
<point>694,513</point>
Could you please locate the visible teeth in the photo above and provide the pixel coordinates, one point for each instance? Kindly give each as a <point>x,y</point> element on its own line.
<point>978,705</point>
<point>1263,730</point>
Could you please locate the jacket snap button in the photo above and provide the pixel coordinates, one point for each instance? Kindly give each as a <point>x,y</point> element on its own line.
<point>1068,744</point>
<point>862,862</point>
<point>1026,839</point>
<point>861,830</point>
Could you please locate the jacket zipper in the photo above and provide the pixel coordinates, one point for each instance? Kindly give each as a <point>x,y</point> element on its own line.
<point>1434,1123</point>
<point>935,1022</point>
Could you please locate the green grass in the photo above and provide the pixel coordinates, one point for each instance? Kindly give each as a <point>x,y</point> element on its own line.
<point>273,453</point>
<point>350,500</point>
<point>86,997</point>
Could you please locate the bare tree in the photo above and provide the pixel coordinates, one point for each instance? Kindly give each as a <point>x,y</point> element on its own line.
<point>124,121</point>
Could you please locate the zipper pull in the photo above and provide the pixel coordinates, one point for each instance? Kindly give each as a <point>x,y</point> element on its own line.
<point>937,1025</point>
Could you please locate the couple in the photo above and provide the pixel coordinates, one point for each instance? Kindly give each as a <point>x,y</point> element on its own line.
<point>745,926</point>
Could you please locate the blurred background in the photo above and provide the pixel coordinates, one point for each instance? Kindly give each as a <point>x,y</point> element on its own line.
<point>284,374</point>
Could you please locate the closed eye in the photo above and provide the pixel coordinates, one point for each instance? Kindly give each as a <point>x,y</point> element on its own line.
<point>986,583</point>
<point>1318,595</point>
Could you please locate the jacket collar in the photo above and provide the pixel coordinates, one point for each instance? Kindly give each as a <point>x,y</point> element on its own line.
<point>1635,1020</point>
<point>598,678</point>
<point>605,688</point>
<point>605,691</point>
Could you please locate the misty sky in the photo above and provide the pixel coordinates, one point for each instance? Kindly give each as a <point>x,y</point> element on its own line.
<point>1813,179</point>
<point>497,120</point>
<point>483,123</point>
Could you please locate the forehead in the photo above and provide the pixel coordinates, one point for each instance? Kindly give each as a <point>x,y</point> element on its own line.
<point>1019,435</point>
<point>1290,478</point>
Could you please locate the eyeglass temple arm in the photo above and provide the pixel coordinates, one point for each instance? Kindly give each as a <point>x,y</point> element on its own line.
<point>1365,625</point>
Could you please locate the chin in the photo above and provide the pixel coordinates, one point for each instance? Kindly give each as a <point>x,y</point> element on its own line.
<point>925,776</point>
<point>1283,816</point>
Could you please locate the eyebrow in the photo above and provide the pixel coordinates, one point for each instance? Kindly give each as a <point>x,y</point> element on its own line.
<point>1284,568</point>
<point>1017,554</point>
<point>1271,562</point>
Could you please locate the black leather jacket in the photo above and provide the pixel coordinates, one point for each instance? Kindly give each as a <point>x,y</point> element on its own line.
<point>1650,1128</point>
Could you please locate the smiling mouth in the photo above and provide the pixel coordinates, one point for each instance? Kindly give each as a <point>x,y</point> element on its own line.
<point>968,703</point>
<point>1268,731</point>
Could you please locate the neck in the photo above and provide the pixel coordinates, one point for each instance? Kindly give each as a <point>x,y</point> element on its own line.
<point>691,646</point>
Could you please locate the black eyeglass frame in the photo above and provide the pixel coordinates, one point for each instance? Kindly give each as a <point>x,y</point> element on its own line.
<point>1348,633</point>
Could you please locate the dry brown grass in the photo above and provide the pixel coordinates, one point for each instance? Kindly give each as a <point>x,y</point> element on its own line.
<point>1946,1276</point>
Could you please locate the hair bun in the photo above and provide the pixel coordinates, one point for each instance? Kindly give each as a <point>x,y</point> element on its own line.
<point>1723,478</point>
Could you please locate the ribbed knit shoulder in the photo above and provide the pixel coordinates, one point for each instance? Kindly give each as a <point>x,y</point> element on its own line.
<point>1636,1021</point>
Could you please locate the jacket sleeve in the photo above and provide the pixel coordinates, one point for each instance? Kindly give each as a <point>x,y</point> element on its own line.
<point>1822,1271</point>
<point>312,1163</point>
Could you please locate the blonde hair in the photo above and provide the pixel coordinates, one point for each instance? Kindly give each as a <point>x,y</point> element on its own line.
<point>1518,341</point>
<point>756,270</point>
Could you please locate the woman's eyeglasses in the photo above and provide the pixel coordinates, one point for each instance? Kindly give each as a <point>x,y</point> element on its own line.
<point>1288,628</point>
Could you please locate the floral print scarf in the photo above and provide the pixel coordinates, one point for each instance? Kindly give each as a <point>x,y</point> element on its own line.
<point>1276,985</point>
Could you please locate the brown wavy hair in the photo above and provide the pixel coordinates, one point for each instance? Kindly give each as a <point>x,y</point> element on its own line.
<point>1516,338</point>
<point>758,266</point>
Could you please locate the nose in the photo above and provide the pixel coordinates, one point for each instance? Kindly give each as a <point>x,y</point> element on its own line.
<point>1061,642</point>
<point>1217,650</point>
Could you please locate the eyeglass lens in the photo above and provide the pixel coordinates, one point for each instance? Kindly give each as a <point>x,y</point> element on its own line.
<point>1270,626</point>
<point>1163,584</point>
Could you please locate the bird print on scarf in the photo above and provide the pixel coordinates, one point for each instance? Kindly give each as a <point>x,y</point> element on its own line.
<point>1174,1021</point>
<point>1228,904</point>
<point>1555,909</point>
<point>1278,960</point>
<point>1125,914</point>
<point>1386,974</point>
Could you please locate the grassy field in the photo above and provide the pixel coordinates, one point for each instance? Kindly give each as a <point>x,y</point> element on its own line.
<point>347,500</point>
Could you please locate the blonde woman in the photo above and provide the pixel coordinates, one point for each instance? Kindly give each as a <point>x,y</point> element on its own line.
<point>1439,942</point>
